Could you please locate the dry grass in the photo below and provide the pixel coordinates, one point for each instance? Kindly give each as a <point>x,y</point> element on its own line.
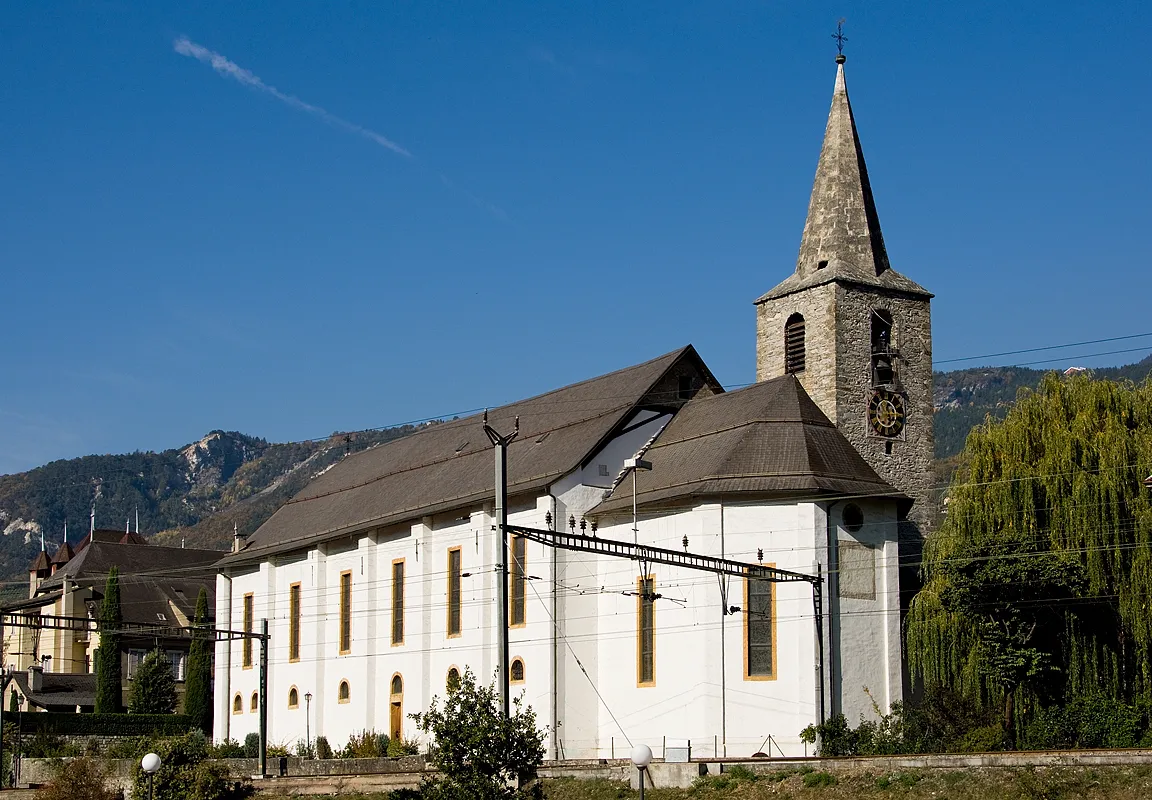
<point>1048,783</point>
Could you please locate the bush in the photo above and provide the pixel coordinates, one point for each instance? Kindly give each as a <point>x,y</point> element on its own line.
<point>185,775</point>
<point>63,723</point>
<point>1090,721</point>
<point>365,744</point>
<point>229,748</point>
<point>398,748</point>
<point>252,745</point>
<point>323,749</point>
<point>814,779</point>
<point>305,749</point>
<point>80,779</point>
<point>132,747</point>
<point>45,745</point>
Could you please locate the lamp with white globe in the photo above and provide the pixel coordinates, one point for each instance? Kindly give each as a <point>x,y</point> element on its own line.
<point>151,765</point>
<point>642,757</point>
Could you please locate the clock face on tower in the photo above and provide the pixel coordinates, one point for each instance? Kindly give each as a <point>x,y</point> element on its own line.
<point>886,413</point>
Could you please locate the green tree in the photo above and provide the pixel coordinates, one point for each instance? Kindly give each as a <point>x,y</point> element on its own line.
<point>109,699</point>
<point>198,681</point>
<point>1037,582</point>
<point>185,774</point>
<point>477,753</point>
<point>153,687</point>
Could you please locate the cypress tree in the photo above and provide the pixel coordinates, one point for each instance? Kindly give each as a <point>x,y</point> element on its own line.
<point>198,681</point>
<point>153,687</point>
<point>1044,559</point>
<point>109,680</point>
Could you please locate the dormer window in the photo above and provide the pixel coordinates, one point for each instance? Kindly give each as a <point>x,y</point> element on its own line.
<point>794,344</point>
<point>684,388</point>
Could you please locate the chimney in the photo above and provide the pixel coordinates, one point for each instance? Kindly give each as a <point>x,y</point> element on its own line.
<point>35,679</point>
<point>237,539</point>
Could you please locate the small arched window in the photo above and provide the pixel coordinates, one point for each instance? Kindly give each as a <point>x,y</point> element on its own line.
<point>453,679</point>
<point>237,704</point>
<point>344,693</point>
<point>293,698</point>
<point>397,685</point>
<point>516,671</point>
<point>254,704</point>
<point>794,344</point>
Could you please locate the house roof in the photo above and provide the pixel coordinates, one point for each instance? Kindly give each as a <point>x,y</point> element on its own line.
<point>63,555</point>
<point>92,564</point>
<point>60,689</point>
<point>842,240</point>
<point>769,439</point>
<point>449,465</point>
<point>41,563</point>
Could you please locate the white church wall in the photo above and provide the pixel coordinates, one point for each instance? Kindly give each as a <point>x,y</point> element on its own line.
<point>867,611</point>
<point>685,700</point>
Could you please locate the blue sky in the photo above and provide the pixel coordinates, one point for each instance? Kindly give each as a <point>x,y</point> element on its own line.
<point>589,185</point>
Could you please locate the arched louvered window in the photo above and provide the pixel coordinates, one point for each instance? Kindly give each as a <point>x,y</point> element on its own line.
<point>794,344</point>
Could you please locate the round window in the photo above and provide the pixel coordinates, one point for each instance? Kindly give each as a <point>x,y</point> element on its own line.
<point>853,517</point>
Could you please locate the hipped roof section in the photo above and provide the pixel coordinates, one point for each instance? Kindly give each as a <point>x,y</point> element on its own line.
<point>449,465</point>
<point>768,440</point>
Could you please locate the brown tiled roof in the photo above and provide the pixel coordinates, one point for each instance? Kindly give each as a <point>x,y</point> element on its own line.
<point>41,563</point>
<point>449,465</point>
<point>767,440</point>
<point>63,555</point>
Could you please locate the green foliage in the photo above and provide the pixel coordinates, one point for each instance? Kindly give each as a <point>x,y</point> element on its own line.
<point>153,687</point>
<point>252,745</point>
<point>80,779</point>
<point>65,723</point>
<point>186,775</point>
<point>323,749</point>
<point>229,748</point>
<point>365,744</point>
<point>477,753</point>
<point>940,722</point>
<point>1037,583</point>
<point>109,681</point>
<point>1089,721</point>
<point>46,745</point>
<point>817,779</point>
<point>132,747</point>
<point>198,680</point>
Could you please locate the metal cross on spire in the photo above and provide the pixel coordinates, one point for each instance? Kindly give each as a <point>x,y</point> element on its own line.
<point>839,36</point>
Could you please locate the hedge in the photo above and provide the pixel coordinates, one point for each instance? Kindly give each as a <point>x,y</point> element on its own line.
<point>60,723</point>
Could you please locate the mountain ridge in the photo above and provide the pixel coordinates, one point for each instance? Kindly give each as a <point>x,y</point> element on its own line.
<point>196,495</point>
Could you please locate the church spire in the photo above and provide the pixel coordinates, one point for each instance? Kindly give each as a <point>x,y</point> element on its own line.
<point>842,230</point>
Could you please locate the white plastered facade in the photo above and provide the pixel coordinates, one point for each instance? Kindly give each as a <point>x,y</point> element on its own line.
<point>580,673</point>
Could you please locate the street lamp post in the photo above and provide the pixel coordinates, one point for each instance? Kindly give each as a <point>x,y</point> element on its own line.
<point>642,757</point>
<point>308,721</point>
<point>151,765</point>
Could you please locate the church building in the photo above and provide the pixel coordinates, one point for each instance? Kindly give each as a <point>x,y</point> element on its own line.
<point>379,580</point>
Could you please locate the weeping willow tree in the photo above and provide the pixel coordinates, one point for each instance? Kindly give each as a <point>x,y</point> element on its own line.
<point>1037,584</point>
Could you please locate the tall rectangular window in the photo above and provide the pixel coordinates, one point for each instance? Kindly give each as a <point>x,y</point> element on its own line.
<point>759,630</point>
<point>345,612</point>
<point>398,601</point>
<point>646,631</point>
<point>518,579</point>
<point>454,622</point>
<point>249,609</point>
<point>294,622</point>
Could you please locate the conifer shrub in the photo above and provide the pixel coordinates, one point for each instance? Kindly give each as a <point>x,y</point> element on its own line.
<point>198,681</point>
<point>109,679</point>
<point>323,749</point>
<point>153,687</point>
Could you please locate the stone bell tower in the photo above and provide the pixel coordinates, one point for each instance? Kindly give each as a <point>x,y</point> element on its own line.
<point>855,332</point>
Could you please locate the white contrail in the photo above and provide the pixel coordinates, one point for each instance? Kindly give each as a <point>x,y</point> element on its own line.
<point>185,47</point>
